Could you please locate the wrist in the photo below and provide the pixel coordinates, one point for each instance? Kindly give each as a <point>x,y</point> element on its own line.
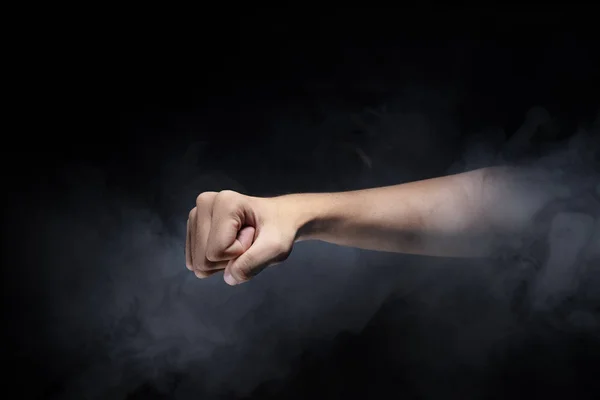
<point>309,213</point>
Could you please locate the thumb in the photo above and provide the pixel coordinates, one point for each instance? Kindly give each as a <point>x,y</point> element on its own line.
<point>259,256</point>
<point>243,241</point>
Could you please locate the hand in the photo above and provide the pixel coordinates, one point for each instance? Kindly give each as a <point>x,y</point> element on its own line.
<point>239,234</point>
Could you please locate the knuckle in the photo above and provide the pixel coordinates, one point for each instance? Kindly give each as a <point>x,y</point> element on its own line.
<point>201,274</point>
<point>202,267</point>
<point>227,193</point>
<point>227,197</point>
<point>192,213</point>
<point>196,265</point>
<point>212,255</point>
<point>242,273</point>
<point>249,260</point>
<point>205,199</point>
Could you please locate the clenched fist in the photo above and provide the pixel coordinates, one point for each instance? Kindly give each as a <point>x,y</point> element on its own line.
<point>238,234</point>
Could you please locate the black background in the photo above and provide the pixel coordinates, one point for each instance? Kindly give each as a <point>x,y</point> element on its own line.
<point>123,95</point>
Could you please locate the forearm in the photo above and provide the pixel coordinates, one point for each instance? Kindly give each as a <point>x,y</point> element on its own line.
<point>462,215</point>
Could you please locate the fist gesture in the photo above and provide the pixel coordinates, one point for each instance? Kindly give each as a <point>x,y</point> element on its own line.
<point>238,234</point>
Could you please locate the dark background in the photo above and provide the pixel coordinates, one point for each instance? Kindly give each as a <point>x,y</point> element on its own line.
<point>131,119</point>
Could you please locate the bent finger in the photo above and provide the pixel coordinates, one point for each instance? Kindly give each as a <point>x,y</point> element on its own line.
<point>188,254</point>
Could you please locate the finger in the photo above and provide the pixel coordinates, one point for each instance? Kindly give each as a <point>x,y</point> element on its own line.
<point>200,229</point>
<point>242,275</point>
<point>246,237</point>
<point>204,204</point>
<point>192,234</point>
<point>188,254</point>
<point>205,274</point>
<point>228,218</point>
<point>260,255</point>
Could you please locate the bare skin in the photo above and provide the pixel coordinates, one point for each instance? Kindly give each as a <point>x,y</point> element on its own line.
<point>462,215</point>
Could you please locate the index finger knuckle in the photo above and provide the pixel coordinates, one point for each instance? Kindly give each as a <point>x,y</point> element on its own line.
<point>205,199</point>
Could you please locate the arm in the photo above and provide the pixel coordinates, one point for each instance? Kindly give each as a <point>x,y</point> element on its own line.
<point>463,215</point>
